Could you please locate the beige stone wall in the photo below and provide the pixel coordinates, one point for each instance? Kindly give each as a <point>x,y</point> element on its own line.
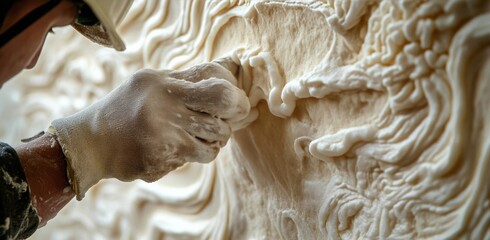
<point>369,121</point>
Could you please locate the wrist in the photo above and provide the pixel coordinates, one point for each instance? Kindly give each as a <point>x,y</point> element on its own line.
<point>78,140</point>
<point>45,168</point>
<point>70,174</point>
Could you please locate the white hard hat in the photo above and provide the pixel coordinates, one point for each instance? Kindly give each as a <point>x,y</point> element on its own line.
<point>98,19</point>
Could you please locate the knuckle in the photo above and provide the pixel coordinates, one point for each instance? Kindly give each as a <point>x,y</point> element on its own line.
<point>209,154</point>
<point>228,64</point>
<point>202,153</point>
<point>142,78</point>
<point>223,73</point>
<point>217,88</point>
<point>224,130</point>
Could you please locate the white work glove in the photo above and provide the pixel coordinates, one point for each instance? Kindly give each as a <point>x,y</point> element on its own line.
<point>151,124</point>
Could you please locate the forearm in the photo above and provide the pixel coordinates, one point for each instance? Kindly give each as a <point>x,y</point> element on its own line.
<point>45,168</point>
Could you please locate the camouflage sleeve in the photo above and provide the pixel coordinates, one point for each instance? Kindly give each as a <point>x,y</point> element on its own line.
<point>18,219</point>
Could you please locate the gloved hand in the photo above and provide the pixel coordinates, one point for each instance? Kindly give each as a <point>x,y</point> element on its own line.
<point>151,124</point>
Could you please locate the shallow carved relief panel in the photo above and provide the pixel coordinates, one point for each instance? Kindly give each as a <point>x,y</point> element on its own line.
<point>369,120</point>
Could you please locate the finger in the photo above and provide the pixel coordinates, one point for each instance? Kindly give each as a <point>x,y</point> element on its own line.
<point>206,128</point>
<point>208,70</point>
<point>216,97</point>
<point>180,147</point>
<point>229,64</point>
<point>195,150</point>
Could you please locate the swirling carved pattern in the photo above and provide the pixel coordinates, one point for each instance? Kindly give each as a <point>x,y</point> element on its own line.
<point>369,120</point>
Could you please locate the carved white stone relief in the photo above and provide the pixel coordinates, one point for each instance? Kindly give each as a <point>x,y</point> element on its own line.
<point>369,120</point>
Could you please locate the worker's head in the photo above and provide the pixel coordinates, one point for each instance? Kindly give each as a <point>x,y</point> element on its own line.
<point>24,25</point>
